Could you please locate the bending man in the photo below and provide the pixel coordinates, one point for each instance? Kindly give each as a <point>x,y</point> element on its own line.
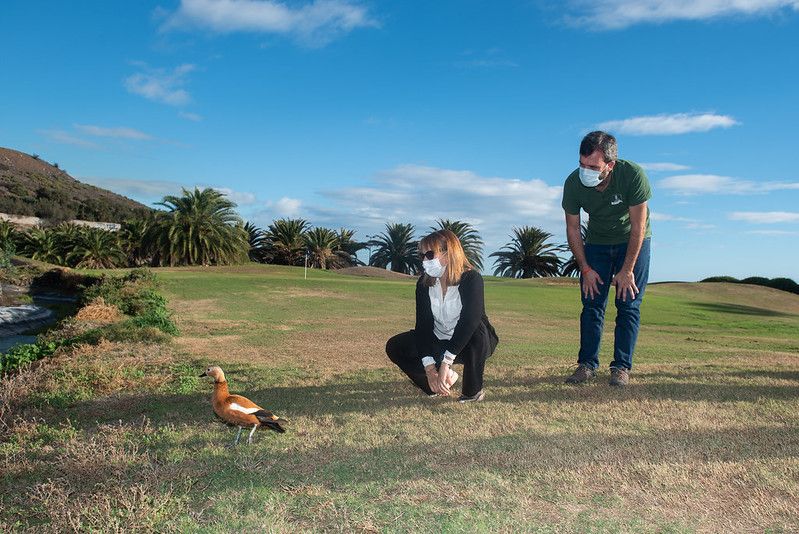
<point>614,194</point>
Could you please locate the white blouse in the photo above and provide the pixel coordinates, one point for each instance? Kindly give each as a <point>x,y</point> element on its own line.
<point>446,309</point>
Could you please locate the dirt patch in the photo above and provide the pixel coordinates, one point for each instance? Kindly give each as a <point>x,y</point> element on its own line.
<point>374,272</point>
<point>295,292</point>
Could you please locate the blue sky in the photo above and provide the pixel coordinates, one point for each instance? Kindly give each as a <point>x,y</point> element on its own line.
<point>358,113</point>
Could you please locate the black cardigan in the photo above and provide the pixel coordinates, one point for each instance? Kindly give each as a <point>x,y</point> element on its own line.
<point>472,314</point>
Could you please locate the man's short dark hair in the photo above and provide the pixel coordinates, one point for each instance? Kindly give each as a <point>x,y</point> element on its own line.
<point>601,141</point>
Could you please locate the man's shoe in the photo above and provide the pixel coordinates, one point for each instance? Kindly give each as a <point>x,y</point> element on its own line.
<point>582,374</point>
<point>619,376</point>
<point>477,397</point>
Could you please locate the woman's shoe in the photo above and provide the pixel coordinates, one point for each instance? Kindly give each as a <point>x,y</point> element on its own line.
<point>477,397</point>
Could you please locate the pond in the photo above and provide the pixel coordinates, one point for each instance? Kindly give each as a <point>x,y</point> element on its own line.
<point>22,324</point>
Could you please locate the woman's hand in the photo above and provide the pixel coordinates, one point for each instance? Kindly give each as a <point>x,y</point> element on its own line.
<point>443,379</point>
<point>432,378</point>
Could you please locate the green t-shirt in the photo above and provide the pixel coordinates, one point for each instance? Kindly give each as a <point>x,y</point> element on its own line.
<point>608,211</point>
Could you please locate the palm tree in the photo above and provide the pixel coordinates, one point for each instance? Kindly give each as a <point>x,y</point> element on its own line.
<point>323,249</point>
<point>199,228</point>
<point>9,236</point>
<point>260,247</point>
<point>570,267</point>
<point>97,249</point>
<point>468,236</point>
<point>396,247</point>
<point>133,240</point>
<point>348,247</point>
<point>528,255</point>
<point>287,239</point>
<point>40,244</point>
<point>67,236</point>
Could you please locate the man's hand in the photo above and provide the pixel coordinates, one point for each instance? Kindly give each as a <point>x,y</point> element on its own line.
<point>591,282</point>
<point>625,285</point>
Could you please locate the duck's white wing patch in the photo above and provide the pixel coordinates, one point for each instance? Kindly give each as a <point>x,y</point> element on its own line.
<point>240,408</point>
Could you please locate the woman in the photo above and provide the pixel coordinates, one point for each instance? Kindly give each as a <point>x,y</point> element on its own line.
<point>451,324</point>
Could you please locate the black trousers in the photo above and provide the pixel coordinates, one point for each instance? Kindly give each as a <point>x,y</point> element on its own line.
<point>401,350</point>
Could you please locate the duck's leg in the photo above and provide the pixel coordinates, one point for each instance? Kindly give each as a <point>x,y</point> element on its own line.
<point>249,439</point>
<point>238,435</point>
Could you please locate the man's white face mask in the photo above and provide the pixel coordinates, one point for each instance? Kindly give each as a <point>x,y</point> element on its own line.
<point>433,268</point>
<point>590,177</point>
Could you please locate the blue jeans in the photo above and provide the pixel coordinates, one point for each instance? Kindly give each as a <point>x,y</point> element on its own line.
<point>606,260</point>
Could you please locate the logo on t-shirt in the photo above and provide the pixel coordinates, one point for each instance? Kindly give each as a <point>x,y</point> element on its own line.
<point>615,200</point>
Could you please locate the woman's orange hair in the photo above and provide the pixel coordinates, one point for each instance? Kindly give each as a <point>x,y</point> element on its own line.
<point>446,241</point>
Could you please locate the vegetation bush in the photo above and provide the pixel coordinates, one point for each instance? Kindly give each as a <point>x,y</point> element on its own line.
<point>128,331</point>
<point>729,279</point>
<point>781,283</point>
<point>24,354</point>
<point>136,296</point>
<point>784,284</point>
<point>148,320</point>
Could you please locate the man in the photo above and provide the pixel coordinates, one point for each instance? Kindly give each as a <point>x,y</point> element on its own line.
<point>614,194</point>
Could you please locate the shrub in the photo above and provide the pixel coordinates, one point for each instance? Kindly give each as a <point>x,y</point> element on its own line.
<point>784,284</point>
<point>756,280</point>
<point>6,253</point>
<point>25,354</point>
<point>148,319</point>
<point>142,274</point>
<point>124,332</point>
<point>720,279</point>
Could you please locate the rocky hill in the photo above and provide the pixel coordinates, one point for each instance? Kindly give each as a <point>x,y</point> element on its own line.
<point>30,186</point>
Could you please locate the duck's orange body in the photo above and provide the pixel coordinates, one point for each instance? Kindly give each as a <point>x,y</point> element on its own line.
<point>237,410</point>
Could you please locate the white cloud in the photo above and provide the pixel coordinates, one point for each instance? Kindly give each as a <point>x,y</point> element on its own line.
<point>285,207</point>
<point>693,184</point>
<point>194,117</point>
<point>241,198</point>
<point>617,14</point>
<point>669,167</point>
<point>119,132</point>
<point>144,191</point>
<point>678,123</point>
<point>421,194</point>
<point>316,22</point>
<point>764,217</point>
<point>60,136</point>
<point>161,85</point>
<point>778,233</point>
<point>688,223</point>
<point>149,191</point>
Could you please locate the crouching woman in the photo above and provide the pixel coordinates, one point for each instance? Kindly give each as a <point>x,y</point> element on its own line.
<point>451,323</point>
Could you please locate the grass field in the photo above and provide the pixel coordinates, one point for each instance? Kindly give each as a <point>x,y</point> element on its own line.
<point>122,437</point>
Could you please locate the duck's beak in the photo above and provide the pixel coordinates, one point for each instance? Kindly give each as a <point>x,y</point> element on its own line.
<point>204,374</point>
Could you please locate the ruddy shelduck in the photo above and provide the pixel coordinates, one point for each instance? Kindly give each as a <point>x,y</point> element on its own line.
<point>239,411</point>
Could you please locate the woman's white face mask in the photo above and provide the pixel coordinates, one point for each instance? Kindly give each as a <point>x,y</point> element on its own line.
<point>433,268</point>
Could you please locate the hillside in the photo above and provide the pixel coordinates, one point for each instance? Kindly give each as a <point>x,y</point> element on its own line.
<point>30,186</point>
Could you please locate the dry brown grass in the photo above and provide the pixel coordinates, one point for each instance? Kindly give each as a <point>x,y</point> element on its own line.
<point>98,312</point>
<point>15,389</point>
<point>104,482</point>
<point>705,438</point>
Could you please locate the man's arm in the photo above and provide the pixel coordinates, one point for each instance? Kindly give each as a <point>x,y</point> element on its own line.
<point>625,280</point>
<point>575,239</point>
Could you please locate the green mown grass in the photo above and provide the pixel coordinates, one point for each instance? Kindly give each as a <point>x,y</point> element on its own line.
<point>121,436</point>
